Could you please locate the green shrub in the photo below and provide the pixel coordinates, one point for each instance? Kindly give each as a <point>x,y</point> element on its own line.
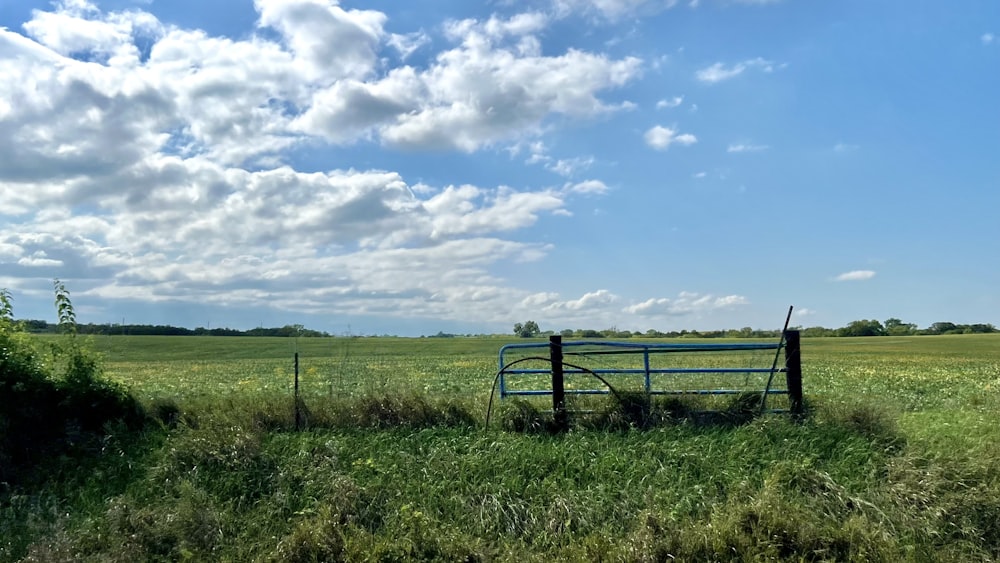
<point>52,399</point>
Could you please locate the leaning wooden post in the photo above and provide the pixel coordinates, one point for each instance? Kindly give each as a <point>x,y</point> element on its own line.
<point>559,414</point>
<point>793,371</point>
<point>298,417</point>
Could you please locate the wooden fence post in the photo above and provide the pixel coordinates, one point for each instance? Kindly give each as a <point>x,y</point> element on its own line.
<point>559,414</point>
<point>793,373</point>
<point>298,416</point>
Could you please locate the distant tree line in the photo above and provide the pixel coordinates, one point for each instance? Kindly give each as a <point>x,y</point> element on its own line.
<point>530,329</point>
<point>896,327</point>
<point>167,330</point>
<point>891,327</point>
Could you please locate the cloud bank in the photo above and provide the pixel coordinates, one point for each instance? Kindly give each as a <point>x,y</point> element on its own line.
<point>148,162</point>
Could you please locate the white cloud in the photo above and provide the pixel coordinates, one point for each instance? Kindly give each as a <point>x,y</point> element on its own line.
<point>8,250</point>
<point>539,299</point>
<point>610,9</point>
<point>409,43</point>
<point>856,275</point>
<point>699,175</point>
<point>37,260</point>
<point>671,103</point>
<point>592,300</point>
<point>351,241</point>
<point>538,154</point>
<point>79,28</point>
<point>686,303</point>
<point>570,166</point>
<point>588,187</point>
<point>742,147</point>
<point>660,138</point>
<point>249,100</point>
<point>328,42</point>
<point>473,95</point>
<point>157,173</point>
<point>987,38</point>
<point>719,72</point>
<point>845,147</point>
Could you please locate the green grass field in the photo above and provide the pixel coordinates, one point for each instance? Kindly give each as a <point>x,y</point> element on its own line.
<point>899,460</point>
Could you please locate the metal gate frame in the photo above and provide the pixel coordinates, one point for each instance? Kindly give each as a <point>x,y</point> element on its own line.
<point>558,349</point>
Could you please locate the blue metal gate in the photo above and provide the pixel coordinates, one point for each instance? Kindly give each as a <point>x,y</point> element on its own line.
<point>566,352</point>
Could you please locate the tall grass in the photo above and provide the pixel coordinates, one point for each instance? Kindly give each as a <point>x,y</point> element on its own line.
<point>231,482</point>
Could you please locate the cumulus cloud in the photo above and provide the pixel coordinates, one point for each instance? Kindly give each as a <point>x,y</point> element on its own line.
<point>856,275</point>
<point>202,233</point>
<point>328,42</point>
<point>719,72</point>
<point>249,100</point>
<point>38,259</point>
<point>594,299</point>
<point>686,303</point>
<point>147,161</point>
<point>143,168</point>
<point>79,28</point>
<point>597,308</point>
<point>660,138</point>
<point>474,94</point>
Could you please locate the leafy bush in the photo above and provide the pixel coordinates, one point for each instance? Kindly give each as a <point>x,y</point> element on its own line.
<point>52,399</point>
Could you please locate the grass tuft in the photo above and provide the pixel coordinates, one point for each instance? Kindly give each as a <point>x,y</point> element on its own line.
<point>518,415</point>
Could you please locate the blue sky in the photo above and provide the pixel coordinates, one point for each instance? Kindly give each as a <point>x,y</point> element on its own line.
<point>411,167</point>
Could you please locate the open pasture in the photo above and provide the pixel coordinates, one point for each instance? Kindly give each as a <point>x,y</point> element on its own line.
<point>939,388</point>
<point>908,374</point>
<point>899,460</point>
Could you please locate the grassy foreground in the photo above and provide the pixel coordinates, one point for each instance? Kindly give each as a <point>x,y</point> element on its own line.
<point>899,460</point>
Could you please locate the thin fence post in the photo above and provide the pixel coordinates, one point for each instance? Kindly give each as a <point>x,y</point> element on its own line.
<point>645,365</point>
<point>559,414</point>
<point>298,416</point>
<point>793,373</point>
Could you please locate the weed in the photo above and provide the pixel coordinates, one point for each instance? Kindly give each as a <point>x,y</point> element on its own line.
<point>314,539</point>
<point>165,411</point>
<point>410,410</point>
